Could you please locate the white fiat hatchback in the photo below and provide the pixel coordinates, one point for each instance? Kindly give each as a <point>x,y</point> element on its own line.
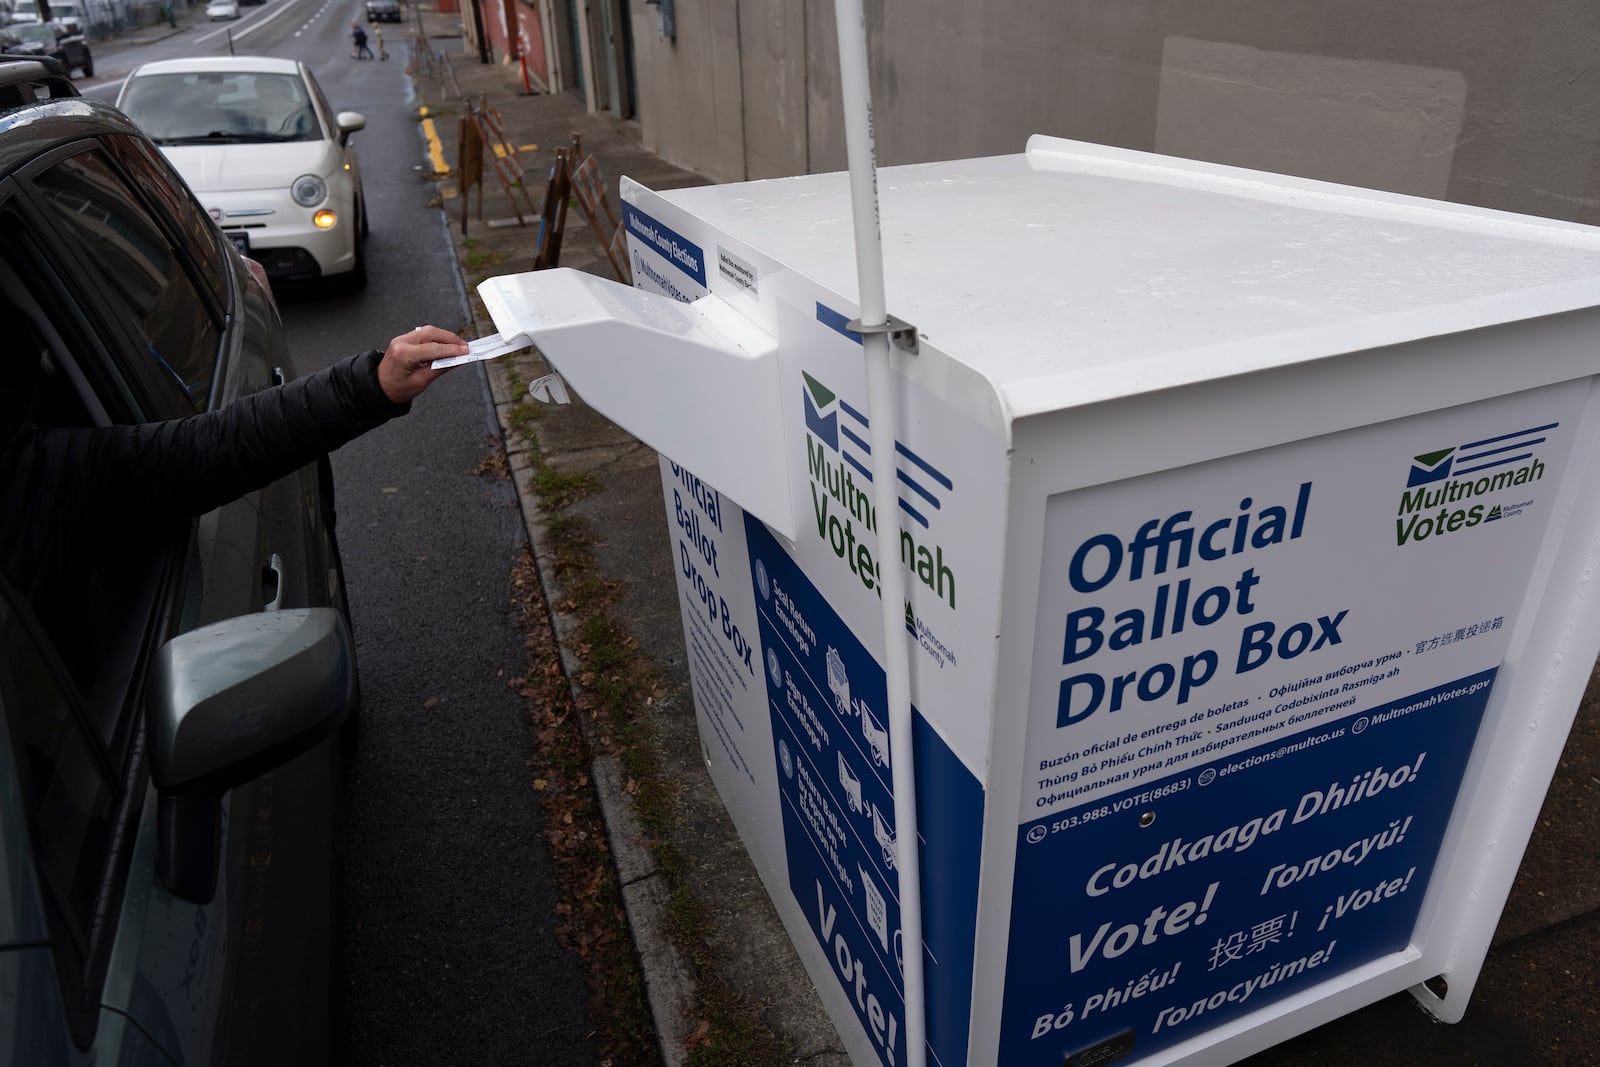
<point>258,144</point>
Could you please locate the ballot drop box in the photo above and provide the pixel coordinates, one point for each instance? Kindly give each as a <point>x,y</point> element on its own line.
<point>1249,529</point>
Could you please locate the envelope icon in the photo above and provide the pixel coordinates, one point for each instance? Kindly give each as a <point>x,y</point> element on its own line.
<point>1430,467</point>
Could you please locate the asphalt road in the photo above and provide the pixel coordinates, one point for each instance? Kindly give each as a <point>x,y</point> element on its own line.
<point>450,952</point>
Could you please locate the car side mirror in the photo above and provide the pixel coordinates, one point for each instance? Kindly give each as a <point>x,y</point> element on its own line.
<point>226,703</point>
<point>349,122</point>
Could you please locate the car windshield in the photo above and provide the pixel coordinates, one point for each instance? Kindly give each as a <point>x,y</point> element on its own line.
<point>236,107</point>
<point>37,31</point>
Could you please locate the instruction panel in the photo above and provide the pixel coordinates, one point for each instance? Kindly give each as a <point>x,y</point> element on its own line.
<point>1257,683</point>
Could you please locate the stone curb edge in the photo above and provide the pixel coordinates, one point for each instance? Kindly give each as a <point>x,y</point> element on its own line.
<point>646,894</point>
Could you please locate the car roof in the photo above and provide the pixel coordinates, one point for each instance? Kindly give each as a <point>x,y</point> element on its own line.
<point>41,125</point>
<point>219,64</point>
<point>27,80</point>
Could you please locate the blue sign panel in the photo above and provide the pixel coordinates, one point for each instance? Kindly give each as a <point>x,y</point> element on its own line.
<point>827,697</point>
<point>672,246</point>
<point>1144,918</point>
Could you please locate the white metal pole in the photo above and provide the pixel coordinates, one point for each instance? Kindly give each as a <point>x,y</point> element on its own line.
<point>857,96</point>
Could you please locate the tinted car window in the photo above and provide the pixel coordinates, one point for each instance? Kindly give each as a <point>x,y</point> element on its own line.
<point>88,575</point>
<point>162,186</point>
<point>146,281</point>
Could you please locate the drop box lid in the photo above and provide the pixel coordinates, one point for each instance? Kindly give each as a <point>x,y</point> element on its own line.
<point>1074,273</point>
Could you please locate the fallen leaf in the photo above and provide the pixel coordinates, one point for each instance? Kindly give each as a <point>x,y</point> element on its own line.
<point>700,1037</point>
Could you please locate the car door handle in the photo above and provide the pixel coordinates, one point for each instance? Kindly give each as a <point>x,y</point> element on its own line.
<point>272,583</point>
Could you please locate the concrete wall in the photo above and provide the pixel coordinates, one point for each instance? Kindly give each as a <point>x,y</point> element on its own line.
<point>503,17</point>
<point>1492,102</point>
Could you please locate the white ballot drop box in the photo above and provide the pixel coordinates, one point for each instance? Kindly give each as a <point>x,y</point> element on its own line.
<point>1249,526</point>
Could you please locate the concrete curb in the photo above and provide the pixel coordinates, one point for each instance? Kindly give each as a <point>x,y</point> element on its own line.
<point>669,982</point>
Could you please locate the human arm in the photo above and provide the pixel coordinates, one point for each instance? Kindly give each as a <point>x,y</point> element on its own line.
<point>189,466</point>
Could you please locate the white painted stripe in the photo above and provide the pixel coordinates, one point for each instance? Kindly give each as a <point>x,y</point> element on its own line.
<point>255,24</point>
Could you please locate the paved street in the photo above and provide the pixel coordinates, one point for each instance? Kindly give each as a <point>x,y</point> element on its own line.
<point>450,950</point>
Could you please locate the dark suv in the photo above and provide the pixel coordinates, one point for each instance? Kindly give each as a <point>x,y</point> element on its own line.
<point>169,756</point>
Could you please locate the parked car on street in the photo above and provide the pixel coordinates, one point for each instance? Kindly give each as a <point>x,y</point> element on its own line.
<point>66,12</point>
<point>162,695</point>
<point>222,10</point>
<point>62,43</point>
<point>12,44</point>
<point>383,10</point>
<point>271,161</point>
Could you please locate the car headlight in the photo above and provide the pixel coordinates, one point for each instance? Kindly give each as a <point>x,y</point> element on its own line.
<point>308,190</point>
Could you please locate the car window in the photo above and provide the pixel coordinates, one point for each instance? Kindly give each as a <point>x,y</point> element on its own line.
<point>221,107</point>
<point>92,584</point>
<point>322,100</point>
<point>84,601</point>
<point>196,230</point>
<point>145,278</point>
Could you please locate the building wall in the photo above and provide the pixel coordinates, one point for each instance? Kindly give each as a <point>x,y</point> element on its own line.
<point>1491,102</point>
<point>502,18</point>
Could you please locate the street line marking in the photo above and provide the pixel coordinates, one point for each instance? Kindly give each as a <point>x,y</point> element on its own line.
<point>256,24</point>
<point>435,146</point>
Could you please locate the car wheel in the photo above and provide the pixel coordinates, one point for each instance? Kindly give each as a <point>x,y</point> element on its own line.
<point>88,65</point>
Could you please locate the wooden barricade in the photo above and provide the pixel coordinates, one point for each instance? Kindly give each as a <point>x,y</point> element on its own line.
<point>503,154</point>
<point>482,131</point>
<point>590,191</point>
<point>449,79</point>
<point>469,167</point>
<point>424,61</point>
<point>553,217</point>
<point>578,177</point>
<point>428,63</point>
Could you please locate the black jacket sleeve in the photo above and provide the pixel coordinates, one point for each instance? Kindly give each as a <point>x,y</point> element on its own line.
<point>114,480</point>
<point>189,466</point>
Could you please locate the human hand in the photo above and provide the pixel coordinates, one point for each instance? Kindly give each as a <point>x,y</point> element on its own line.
<point>405,371</point>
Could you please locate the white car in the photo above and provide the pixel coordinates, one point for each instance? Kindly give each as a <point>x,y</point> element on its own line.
<point>257,142</point>
<point>221,10</point>
<point>63,11</point>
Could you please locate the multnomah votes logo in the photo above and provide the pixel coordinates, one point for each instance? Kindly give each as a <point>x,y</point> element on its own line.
<point>1462,474</point>
<point>839,462</point>
<point>823,408</point>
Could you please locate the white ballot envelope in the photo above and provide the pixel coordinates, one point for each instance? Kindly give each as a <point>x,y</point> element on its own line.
<point>491,347</point>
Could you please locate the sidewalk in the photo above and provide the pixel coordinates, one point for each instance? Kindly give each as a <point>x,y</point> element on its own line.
<point>1537,1001</point>
<point>750,950</point>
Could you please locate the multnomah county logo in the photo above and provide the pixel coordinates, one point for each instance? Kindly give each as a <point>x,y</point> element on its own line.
<point>1439,480</point>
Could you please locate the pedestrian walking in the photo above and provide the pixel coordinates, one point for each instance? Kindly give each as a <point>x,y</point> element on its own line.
<point>358,42</point>
<point>377,31</point>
